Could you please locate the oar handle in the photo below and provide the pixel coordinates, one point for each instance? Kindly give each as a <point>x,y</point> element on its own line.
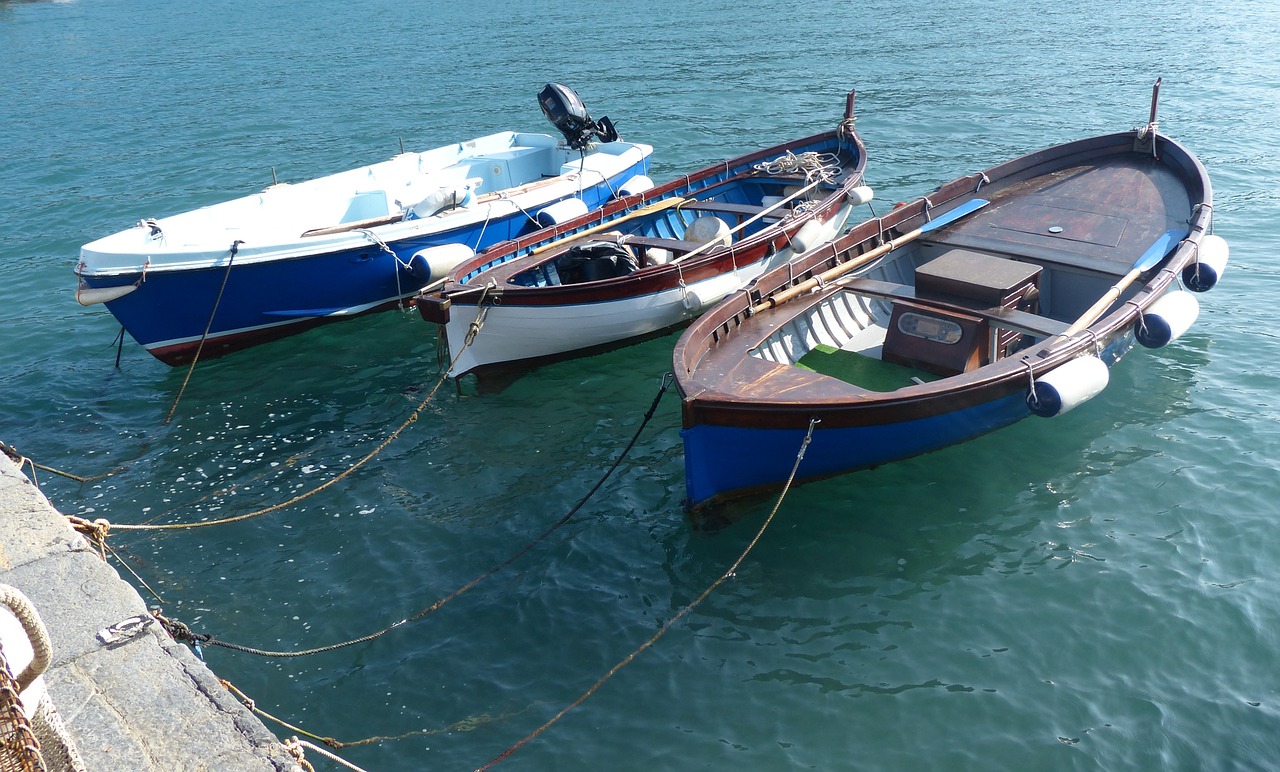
<point>656,206</point>
<point>832,273</point>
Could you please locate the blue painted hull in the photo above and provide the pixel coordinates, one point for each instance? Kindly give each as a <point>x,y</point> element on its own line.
<point>261,301</point>
<point>720,460</point>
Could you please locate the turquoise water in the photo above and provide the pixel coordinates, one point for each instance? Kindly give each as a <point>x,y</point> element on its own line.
<point>1096,592</point>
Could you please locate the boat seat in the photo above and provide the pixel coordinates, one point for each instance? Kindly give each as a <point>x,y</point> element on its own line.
<point>674,245</point>
<point>1007,318</point>
<point>742,211</point>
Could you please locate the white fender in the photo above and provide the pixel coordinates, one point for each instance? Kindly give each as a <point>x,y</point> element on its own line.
<point>693,302</point>
<point>860,195</point>
<point>1211,261</point>
<point>637,184</point>
<point>434,263</point>
<point>87,296</point>
<point>561,211</point>
<point>810,235</point>
<point>1068,386</point>
<point>1166,319</point>
<point>708,229</point>
<point>657,256</point>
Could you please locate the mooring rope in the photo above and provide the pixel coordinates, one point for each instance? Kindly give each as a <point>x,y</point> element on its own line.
<point>465,725</point>
<point>677,617</point>
<point>183,633</point>
<point>22,460</point>
<point>235,249</point>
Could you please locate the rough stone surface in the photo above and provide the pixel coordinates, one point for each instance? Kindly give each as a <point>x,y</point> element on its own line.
<point>147,704</point>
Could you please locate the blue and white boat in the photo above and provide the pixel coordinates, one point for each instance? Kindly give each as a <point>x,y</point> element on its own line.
<point>1000,295</point>
<point>271,264</point>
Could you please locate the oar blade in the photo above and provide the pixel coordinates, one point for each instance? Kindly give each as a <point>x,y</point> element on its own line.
<point>1157,251</point>
<point>965,209</point>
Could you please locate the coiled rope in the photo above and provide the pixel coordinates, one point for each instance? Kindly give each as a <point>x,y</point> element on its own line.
<point>678,615</point>
<point>183,633</point>
<point>812,164</point>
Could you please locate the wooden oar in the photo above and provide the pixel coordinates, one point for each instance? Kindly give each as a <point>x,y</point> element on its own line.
<point>656,206</point>
<point>1150,259</point>
<point>967,208</point>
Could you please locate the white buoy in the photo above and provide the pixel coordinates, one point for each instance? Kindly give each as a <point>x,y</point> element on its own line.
<point>861,195</point>
<point>1068,386</point>
<point>1211,262</point>
<point>87,296</point>
<point>561,211</point>
<point>637,184</point>
<point>434,263</point>
<point>1166,319</point>
<point>708,229</point>
<point>692,302</point>
<point>810,235</point>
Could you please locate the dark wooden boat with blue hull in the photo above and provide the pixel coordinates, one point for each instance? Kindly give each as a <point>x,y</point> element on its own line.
<point>999,295</point>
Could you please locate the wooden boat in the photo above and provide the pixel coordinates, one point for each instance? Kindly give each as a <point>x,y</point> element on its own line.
<point>650,262</point>
<point>999,295</point>
<point>275,263</point>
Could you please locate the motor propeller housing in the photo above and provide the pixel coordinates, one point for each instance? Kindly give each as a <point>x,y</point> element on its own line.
<point>565,110</point>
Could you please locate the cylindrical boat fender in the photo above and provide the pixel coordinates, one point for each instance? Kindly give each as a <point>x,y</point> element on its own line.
<point>708,229</point>
<point>434,263</point>
<point>441,200</point>
<point>1068,386</point>
<point>693,302</point>
<point>1211,261</point>
<point>1166,319</point>
<point>561,211</point>
<point>860,195</point>
<point>87,296</point>
<point>809,236</point>
<point>637,184</point>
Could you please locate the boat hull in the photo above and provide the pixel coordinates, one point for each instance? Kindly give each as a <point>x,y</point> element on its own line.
<point>731,460</point>
<point>216,303</point>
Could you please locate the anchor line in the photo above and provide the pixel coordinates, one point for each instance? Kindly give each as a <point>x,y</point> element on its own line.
<point>235,249</point>
<point>465,725</point>
<point>97,529</point>
<point>729,574</point>
<point>22,460</point>
<point>182,633</point>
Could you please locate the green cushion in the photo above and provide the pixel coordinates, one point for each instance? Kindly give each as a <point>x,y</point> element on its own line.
<point>859,370</point>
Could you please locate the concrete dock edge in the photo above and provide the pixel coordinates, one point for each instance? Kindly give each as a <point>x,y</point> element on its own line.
<point>147,704</point>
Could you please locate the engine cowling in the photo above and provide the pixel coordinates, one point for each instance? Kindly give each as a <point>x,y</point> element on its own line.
<point>565,110</point>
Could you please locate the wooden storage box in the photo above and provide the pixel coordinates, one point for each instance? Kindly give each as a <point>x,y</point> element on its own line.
<point>981,280</point>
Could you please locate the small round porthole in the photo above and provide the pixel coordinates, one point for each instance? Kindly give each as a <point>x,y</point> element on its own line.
<point>929,328</point>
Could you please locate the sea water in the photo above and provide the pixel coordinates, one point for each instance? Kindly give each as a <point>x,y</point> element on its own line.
<point>1097,591</point>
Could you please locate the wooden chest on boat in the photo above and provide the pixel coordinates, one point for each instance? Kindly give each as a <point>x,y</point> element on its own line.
<point>977,279</point>
<point>935,332</point>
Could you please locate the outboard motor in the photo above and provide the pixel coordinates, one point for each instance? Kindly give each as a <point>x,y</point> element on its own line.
<point>565,110</point>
